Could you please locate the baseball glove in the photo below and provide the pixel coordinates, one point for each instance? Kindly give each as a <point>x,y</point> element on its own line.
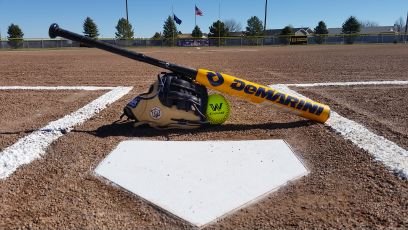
<point>171,102</point>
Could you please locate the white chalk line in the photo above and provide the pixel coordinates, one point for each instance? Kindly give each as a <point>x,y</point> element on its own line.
<point>34,145</point>
<point>86,88</point>
<point>389,153</point>
<point>351,83</point>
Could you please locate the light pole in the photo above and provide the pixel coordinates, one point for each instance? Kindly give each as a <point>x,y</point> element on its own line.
<point>127,16</point>
<point>266,12</point>
<point>406,29</point>
<point>219,23</point>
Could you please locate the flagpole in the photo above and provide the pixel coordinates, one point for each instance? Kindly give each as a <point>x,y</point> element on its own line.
<point>266,12</point>
<point>406,29</point>
<point>127,15</point>
<point>195,16</point>
<point>174,23</point>
<point>219,23</point>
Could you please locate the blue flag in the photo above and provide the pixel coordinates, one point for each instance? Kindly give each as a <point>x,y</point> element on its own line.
<point>176,19</point>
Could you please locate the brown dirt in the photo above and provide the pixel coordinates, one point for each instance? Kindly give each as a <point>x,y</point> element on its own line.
<point>25,111</point>
<point>380,108</point>
<point>345,189</point>
<point>264,64</point>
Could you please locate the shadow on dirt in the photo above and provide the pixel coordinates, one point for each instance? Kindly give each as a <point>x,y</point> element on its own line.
<point>17,132</point>
<point>126,129</point>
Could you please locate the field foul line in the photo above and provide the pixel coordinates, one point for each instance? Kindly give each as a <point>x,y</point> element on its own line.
<point>389,153</point>
<point>33,146</point>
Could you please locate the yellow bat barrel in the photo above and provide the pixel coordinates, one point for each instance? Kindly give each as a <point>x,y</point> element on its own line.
<point>262,94</point>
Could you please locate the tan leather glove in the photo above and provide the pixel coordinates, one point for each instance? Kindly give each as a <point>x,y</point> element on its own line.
<point>172,102</point>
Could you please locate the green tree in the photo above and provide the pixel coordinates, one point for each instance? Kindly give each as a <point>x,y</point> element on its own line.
<point>90,28</point>
<point>170,32</point>
<point>124,29</point>
<point>254,27</point>
<point>157,36</point>
<point>351,27</point>
<point>15,36</point>
<point>218,30</point>
<point>285,34</point>
<point>320,32</point>
<point>197,32</point>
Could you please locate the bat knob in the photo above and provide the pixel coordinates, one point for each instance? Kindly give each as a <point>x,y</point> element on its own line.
<point>53,29</point>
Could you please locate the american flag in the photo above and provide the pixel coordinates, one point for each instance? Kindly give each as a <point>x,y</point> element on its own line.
<point>198,11</point>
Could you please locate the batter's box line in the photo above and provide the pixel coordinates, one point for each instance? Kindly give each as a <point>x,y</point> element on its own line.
<point>383,150</point>
<point>34,145</point>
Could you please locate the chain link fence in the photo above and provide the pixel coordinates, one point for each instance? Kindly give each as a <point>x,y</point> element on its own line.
<point>225,41</point>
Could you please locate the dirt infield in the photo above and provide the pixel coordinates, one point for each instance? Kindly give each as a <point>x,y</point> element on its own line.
<point>381,108</point>
<point>346,188</point>
<point>29,110</point>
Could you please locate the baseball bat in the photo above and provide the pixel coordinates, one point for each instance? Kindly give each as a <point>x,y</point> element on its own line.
<point>218,81</point>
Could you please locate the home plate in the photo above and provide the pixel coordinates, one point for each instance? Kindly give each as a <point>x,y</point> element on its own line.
<point>201,181</point>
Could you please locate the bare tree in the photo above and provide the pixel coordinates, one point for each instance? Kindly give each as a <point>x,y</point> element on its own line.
<point>399,24</point>
<point>232,25</point>
<point>368,23</point>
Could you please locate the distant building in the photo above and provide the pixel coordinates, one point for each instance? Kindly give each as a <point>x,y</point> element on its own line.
<point>236,34</point>
<point>300,31</point>
<point>184,36</point>
<point>367,30</point>
<point>188,36</point>
<point>307,31</point>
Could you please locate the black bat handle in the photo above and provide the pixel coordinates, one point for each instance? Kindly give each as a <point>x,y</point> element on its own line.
<point>55,31</point>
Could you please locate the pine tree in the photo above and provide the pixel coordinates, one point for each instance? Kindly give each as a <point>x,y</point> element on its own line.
<point>197,32</point>
<point>15,36</point>
<point>124,29</point>
<point>157,36</point>
<point>320,32</point>
<point>321,28</point>
<point>218,29</point>
<point>254,27</point>
<point>170,32</point>
<point>351,27</point>
<point>90,28</point>
<point>287,30</point>
<point>285,34</point>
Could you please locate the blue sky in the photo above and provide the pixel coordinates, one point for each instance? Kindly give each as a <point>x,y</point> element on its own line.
<point>148,16</point>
